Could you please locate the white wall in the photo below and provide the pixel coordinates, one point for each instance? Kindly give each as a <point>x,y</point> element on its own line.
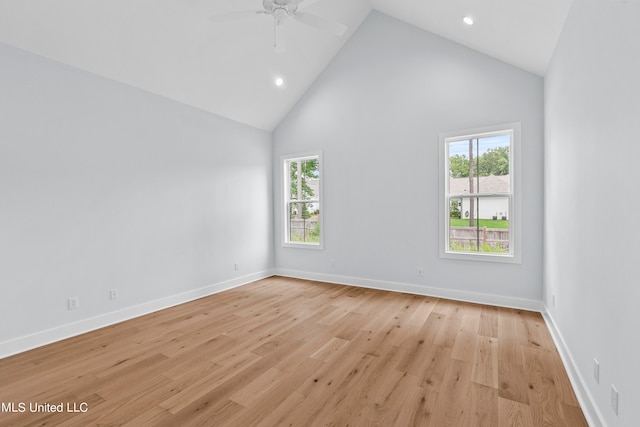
<point>105,186</point>
<point>592,149</point>
<point>376,112</point>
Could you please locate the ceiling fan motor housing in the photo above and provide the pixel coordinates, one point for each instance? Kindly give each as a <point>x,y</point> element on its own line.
<point>282,7</point>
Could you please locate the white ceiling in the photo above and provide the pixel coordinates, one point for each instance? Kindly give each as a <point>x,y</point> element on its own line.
<point>171,48</point>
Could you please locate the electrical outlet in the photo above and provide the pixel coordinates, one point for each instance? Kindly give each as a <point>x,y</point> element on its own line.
<point>420,272</point>
<point>72,303</point>
<point>553,300</point>
<point>236,266</point>
<point>614,399</point>
<point>113,294</point>
<point>596,370</point>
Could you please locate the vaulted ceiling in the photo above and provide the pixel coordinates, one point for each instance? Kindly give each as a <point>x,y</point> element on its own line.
<point>228,67</point>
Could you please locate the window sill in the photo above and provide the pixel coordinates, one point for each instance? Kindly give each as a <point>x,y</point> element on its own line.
<point>482,257</point>
<point>303,245</point>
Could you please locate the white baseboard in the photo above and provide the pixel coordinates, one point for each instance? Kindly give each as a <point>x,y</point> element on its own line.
<point>21,344</point>
<point>587,403</point>
<point>467,296</point>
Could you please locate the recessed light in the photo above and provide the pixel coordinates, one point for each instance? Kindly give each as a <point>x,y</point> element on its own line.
<point>467,20</point>
<point>279,81</point>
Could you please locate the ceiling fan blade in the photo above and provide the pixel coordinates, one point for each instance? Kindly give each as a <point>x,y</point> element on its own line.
<point>279,37</point>
<point>236,16</point>
<point>321,23</point>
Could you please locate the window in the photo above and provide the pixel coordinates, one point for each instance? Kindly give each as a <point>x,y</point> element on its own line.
<point>302,191</point>
<point>479,212</point>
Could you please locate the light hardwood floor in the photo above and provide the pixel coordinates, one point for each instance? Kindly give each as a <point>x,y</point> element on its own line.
<point>287,352</point>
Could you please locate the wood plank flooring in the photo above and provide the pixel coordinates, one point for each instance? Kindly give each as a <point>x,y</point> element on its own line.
<point>287,352</point>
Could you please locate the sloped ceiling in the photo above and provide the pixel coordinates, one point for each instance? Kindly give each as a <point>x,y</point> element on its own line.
<point>172,48</point>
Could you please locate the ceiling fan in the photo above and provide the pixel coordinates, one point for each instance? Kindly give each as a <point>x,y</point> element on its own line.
<point>281,10</point>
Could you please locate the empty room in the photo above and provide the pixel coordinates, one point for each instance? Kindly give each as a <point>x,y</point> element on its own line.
<point>319,212</point>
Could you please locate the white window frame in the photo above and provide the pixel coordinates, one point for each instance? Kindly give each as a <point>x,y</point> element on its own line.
<point>284,161</point>
<point>515,195</point>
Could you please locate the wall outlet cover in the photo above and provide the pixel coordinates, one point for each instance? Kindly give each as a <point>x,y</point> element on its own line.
<point>72,303</point>
<point>614,399</point>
